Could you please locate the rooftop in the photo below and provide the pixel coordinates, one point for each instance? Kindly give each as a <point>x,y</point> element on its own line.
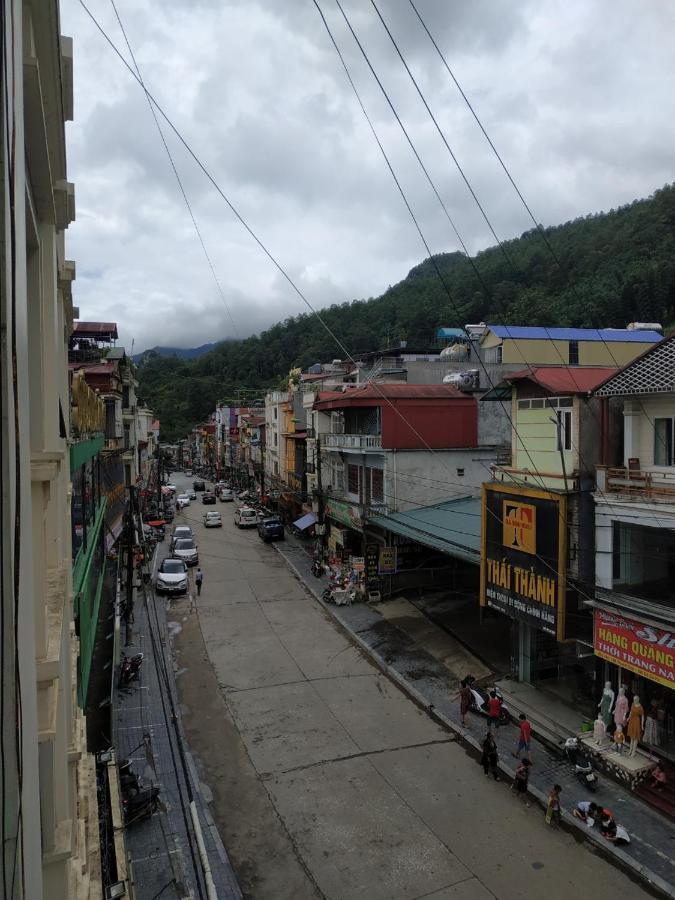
<point>603,335</point>
<point>565,379</point>
<point>102,331</point>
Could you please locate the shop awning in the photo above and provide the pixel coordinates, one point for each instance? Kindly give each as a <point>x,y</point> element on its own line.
<point>453,527</point>
<point>305,521</point>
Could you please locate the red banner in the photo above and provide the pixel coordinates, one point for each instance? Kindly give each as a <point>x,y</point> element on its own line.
<point>643,649</point>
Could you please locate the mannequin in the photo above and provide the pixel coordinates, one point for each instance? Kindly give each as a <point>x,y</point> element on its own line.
<point>621,707</point>
<point>619,739</point>
<point>636,722</point>
<point>606,704</point>
<point>599,731</point>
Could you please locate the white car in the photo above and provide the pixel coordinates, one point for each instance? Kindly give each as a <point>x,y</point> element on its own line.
<point>171,487</point>
<point>182,500</point>
<point>172,577</point>
<point>226,495</point>
<point>245,517</point>
<point>186,549</point>
<point>213,519</point>
<point>192,495</point>
<point>181,531</point>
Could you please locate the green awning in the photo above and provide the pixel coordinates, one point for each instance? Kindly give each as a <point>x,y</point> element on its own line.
<point>453,527</point>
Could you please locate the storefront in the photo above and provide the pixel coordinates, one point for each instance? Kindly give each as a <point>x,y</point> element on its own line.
<point>345,533</point>
<point>639,654</point>
<point>524,577</point>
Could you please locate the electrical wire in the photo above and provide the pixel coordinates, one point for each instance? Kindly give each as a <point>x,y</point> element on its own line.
<point>175,170</point>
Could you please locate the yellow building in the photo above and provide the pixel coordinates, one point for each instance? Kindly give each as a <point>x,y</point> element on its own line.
<point>534,345</point>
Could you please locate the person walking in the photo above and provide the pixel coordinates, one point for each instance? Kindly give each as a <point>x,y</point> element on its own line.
<point>464,700</point>
<point>490,756</point>
<point>524,737</point>
<point>494,709</point>
<point>553,808</point>
<point>199,577</point>
<point>520,780</point>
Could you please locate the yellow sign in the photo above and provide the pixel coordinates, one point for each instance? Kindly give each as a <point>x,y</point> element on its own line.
<point>87,408</point>
<point>520,526</point>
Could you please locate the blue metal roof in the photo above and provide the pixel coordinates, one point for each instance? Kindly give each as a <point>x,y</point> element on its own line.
<point>452,333</point>
<point>606,335</point>
<point>453,527</point>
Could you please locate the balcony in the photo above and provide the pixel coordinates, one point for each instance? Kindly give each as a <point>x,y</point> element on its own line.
<point>554,481</point>
<point>637,484</point>
<point>352,441</point>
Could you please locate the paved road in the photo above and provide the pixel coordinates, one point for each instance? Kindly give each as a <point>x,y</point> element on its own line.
<point>327,781</point>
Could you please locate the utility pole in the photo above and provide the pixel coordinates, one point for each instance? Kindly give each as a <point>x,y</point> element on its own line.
<point>319,488</point>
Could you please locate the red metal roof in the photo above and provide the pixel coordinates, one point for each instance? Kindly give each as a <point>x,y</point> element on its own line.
<point>565,379</point>
<point>95,329</point>
<point>102,368</point>
<point>385,392</point>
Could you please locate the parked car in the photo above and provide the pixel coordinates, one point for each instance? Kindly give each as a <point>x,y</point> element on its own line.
<point>181,531</point>
<point>192,495</point>
<point>188,473</point>
<point>198,486</point>
<point>186,549</point>
<point>213,519</point>
<point>171,487</point>
<point>245,517</point>
<point>208,497</point>
<point>182,500</point>
<point>271,528</point>
<point>172,577</point>
<point>226,495</point>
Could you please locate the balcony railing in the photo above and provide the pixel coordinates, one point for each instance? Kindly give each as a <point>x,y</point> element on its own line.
<point>637,483</point>
<point>552,480</point>
<point>352,441</point>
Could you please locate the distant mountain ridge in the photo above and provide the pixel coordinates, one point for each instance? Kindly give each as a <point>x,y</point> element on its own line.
<point>180,352</point>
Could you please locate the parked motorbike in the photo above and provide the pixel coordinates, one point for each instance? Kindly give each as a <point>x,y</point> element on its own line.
<point>130,667</point>
<point>317,567</point>
<point>480,697</point>
<point>140,805</point>
<point>583,765</point>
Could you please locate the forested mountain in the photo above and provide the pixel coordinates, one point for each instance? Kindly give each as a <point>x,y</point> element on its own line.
<point>180,352</point>
<point>606,269</point>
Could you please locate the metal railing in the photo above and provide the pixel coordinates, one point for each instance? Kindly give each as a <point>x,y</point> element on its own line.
<point>352,441</point>
<point>636,483</point>
<point>555,480</point>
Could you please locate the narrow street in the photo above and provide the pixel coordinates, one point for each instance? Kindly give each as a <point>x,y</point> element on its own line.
<point>327,781</point>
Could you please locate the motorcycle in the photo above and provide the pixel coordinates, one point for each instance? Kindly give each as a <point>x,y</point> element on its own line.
<point>317,568</point>
<point>140,805</point>
<point>130,668</point>
<point>480,697</point>
<point>583,766</point>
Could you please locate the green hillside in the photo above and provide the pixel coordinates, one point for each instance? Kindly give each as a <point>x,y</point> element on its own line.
<point>608,269</point>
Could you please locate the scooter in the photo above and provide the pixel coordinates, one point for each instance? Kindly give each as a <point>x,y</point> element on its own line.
<point>583,766</point>
<point>317,567</point>
<point>130,667</point>
<point>480,697</point>
<point>141,805</point>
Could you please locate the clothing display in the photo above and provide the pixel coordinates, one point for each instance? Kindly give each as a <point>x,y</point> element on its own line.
<point>651,735</point>
<point>621,709</point>
<point>635,722</point>
<point>606,704</point>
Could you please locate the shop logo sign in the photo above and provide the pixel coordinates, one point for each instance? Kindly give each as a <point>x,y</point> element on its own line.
<point>520,526</point>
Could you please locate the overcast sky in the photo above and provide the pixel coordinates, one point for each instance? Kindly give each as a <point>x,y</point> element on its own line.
<point>577,97</point>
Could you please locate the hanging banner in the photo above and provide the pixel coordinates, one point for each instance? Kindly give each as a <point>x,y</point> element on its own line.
<point>643,649</point>
<point>387,561</point>
<point>524,555</point>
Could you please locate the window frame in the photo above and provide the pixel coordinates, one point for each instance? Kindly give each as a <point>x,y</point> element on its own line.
<point>563,430</point>
<point>667,447</point>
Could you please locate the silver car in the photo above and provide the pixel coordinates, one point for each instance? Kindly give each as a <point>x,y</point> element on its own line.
<point>186,549</point>
<point>172,577</point>
<point>180,531</point>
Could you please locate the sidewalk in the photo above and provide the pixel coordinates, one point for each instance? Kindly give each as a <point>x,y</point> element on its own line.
<point>650,854</point>
<point>162,849</point>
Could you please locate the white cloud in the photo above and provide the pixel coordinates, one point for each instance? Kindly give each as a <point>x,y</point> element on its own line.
<point>574,95</point>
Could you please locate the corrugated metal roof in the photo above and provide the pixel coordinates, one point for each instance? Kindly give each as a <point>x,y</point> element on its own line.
<point>604,335</point>
<point>93,329</point>
<point>452,332</point>
<point>565,379</point>
<point>453,527</point>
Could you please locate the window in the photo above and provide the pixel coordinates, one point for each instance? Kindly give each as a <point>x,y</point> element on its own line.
<point>353,479</point>
<point>460,473</point>
<point>275,412</point>
<point>663,442</point>
<point>276,468</point>
<point>377,485</point>
<point>574,353</point>
<point>276,439</point>
<point>537,404</point>
<point>564,430</point>
<point>523,404</point>
<point>494,355</point>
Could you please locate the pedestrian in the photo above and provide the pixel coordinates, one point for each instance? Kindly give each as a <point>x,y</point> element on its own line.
<point>587,811</point>
<point>490,756</point>
<point>494,709</point>
<point>464,700</point>
<point>520,780</point>
<point>553,808</point>
<point>524,737</point>
<point>199,577</point>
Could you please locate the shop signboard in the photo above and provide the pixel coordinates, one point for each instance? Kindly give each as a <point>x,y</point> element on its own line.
<point>643,649</point>
<point>358,563</point>
<point>344,512</point>
<point>372,552</point>
<point>523,555</point>
<point>387,563</point>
